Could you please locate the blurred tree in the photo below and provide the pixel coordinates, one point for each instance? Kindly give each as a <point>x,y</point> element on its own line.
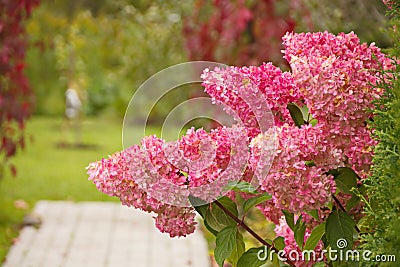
<point>42,70</point>
<point>16,98</point>
<point>240,32</point>
<point>366,18</point>
<point>248,32</point>
<point>108,49</point>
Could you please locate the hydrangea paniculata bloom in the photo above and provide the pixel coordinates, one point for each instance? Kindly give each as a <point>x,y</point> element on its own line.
<point>156,179</point>
<point>294,183</point>
<point>115,176</point>
<point>388,3</point>
<point>251,90</point>
<point>337,77</point>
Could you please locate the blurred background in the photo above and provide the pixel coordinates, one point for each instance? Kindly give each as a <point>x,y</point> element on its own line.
<point>108,48</point>
<point>69,69</point>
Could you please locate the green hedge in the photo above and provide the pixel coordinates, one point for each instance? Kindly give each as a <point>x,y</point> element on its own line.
<point>382,219</point>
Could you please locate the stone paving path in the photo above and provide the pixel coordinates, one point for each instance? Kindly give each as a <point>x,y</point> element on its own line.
<point>96,234</point>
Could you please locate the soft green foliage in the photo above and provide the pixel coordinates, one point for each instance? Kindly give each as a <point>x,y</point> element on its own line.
<point>218,219</point>
<point>296,114</point>
<point>252,202</point>
<point>104,52</point>
<point>299,231</point>
<point>225,244</point>
<point>346,180</point>
<point>339,225</point>
<point>244,187</point>
<point>365,18</point>
<point>315,237</point>
<point>383,187</point>
<point>250,258</point>
<point>230,245</point>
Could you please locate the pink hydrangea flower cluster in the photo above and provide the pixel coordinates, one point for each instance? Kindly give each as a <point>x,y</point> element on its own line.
<point>246,91</point>
<point>115,176</point>
<point>334,76</point>
<point>302,157</point>
<point>388,3</point>
<point>158,176</point>
<point>337,77</point>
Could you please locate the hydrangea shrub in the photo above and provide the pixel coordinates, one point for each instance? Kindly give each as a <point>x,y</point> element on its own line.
<point>322,150</point>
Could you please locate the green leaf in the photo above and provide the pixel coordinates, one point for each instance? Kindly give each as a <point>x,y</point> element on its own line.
<point>209,228</point>
<point>229,204</point>
<point>216,218</point>
<point>184,173</point>
<point>299,231</point>
<point>251,257</point>
<point>309,163</point>
<point>314,214</point>
<point>269,241</point>
<point>307,116</point>
<point>353,201</point>
<point>276,261</point>
<point>305,112</point>
<point>349,263</point>
<point>251,202</point>
<point>296,114</point>
<point>298,222</point>
<point>199,205</point>
<point>340,226</point>
<point>281,264</point>
<point>324,239</point>
<point>279,243</point>
<point>243,187</point>
<point>225,243</point>
<point>363,189</point>
<point>315,237</point>
<point>346,180</point>
<point>238,250</point>
<point>289,217</point>
<point>319,264</point>
<point>314,122</point>
<point>202,210</point>
<point>334,172</point>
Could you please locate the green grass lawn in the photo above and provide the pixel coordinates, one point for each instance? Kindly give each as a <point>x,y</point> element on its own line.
<point>46,171</point>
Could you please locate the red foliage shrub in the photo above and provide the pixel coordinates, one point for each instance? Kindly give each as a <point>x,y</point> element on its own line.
<point>238,33</point>
<point>16,98</point>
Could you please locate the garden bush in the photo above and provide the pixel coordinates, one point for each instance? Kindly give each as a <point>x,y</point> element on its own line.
<point>16,98</point>
<point>382,220</point>
<point>300,152</point>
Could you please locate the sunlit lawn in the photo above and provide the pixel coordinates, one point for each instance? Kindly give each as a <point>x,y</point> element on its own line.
<point>46,171</point>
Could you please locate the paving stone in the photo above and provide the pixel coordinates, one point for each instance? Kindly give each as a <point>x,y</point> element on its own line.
<point>100,234</point>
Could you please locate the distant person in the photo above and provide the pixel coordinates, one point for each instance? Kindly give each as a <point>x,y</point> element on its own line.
<point>73,104</point>
<point>73,107</point>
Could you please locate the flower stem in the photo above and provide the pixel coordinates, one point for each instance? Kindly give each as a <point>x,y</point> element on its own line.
<point>248,229</point>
